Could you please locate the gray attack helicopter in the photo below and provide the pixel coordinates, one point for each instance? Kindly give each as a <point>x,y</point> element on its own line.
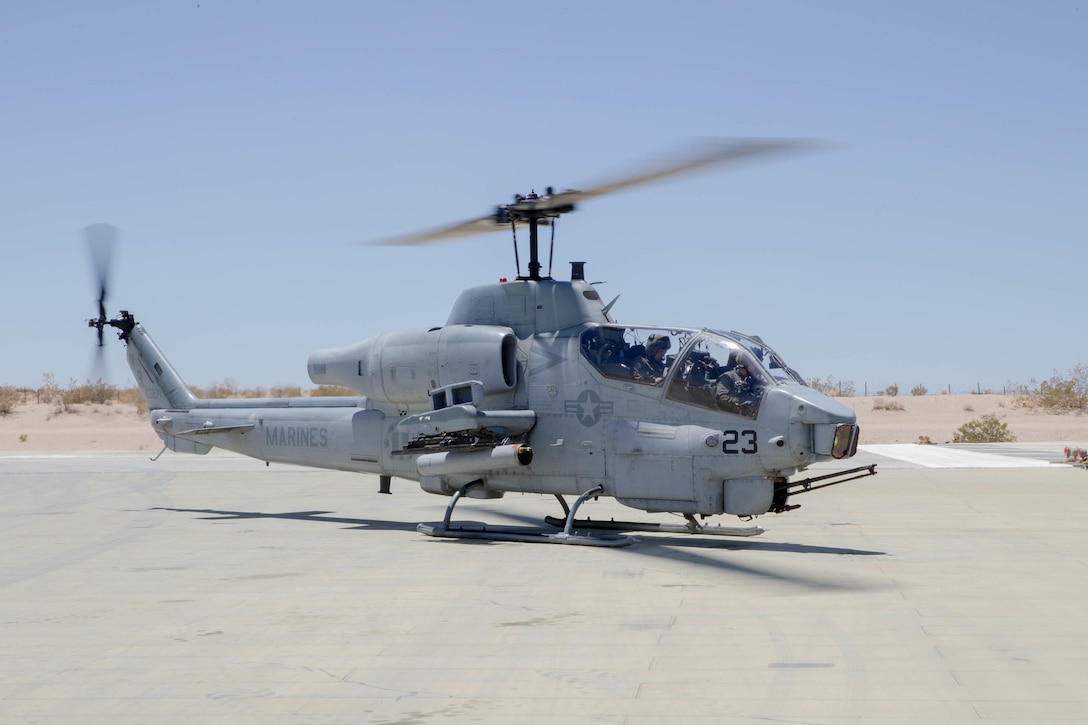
<point>531,386</point>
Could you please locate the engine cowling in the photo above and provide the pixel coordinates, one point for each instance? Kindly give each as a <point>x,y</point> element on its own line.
<point>401,367</point>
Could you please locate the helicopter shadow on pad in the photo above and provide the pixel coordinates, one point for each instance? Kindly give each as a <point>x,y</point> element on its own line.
<point>312,516</point>
<point>683,549</point>
<point>719,542</point>
<point>692,549</point>
<point>530,524</point>
<point>360,524</point>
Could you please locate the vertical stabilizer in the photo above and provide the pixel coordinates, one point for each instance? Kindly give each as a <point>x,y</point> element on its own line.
<point>159,382</point>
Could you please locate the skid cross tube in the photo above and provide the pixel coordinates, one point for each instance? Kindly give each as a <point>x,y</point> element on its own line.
<point>568,528</point>
<point>453,502</point>
<point>568,536</point>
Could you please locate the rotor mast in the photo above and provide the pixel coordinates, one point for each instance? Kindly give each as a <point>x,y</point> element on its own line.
<point>534,210</point>
<point>534,254</point>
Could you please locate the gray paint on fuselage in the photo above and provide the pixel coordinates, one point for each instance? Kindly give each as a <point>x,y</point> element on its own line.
<point>296,436</point>
<point>551,359</point>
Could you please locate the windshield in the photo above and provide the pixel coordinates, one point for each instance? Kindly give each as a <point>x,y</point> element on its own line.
<point>641,354</point>
<point>718,372</point>
<point>776,366</point>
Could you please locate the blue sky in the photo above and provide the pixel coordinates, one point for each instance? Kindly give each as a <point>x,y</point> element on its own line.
<point>937,238</point>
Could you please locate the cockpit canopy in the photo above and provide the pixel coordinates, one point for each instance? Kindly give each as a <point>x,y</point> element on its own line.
<point>723,371</point>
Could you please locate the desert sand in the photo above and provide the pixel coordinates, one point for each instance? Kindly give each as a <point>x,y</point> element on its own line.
<point>119,427</point>
<point>92,427</point>
<point>905,419</point>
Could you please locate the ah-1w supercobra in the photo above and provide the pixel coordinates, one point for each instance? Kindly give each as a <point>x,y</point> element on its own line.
<point>531,386</point>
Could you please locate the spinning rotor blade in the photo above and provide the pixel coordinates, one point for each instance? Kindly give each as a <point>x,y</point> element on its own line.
<point>101,239</point>
<point>470,228</point>
<point>553,204</point>
<point>705,156</point>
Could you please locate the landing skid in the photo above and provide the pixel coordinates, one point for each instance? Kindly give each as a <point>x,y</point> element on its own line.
<point>461,531</point>
<point>688,528</point>
<point>567,536</point>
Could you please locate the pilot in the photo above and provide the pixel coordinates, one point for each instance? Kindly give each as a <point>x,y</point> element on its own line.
<point>591,345</point>
<point>738,390</point>
<point>650,366</point>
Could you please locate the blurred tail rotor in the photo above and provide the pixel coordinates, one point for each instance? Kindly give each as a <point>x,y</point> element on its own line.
<point>101,240</point>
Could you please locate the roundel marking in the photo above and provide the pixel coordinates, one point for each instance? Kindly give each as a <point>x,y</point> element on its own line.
<point>588,408</point>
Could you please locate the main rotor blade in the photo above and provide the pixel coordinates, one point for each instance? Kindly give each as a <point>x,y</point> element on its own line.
<point>470,228</point>
<point>704,155</point>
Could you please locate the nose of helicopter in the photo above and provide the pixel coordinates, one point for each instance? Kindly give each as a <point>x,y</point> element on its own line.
<point>818,426</point>
<point>834,426</point>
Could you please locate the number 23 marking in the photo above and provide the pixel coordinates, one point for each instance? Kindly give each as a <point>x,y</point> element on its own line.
<point>739,441</point>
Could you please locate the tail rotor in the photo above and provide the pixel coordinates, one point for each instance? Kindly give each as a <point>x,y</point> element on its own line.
<point>101,239</point>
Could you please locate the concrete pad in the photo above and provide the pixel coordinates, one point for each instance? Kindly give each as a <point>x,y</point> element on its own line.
<point>218,589</point>
<point>951,456</point>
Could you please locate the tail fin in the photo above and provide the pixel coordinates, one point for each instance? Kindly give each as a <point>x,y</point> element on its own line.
<point>159,382</point>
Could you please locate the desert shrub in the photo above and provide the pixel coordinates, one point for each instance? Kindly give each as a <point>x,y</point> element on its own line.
<point>882,404</point>
<point>1068,392</point>
<point>1059,394</point>
<point>229,388</point>
<point>96,392</point>
<point>133,396</point>
<point>322,390</point>
<point>1018,388</point>
<point>9,398</point>
<point>840,389</point>
<point>220,389</point>
<point>52,394</point>
<point>63,399</point>
<point>285,391</point>
<point>919,390</point>
<point>49,391</point>
<point>986,429</point>
<point>891,391</point>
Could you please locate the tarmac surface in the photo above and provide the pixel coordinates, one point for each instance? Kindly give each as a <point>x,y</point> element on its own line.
<point>215,589</point>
